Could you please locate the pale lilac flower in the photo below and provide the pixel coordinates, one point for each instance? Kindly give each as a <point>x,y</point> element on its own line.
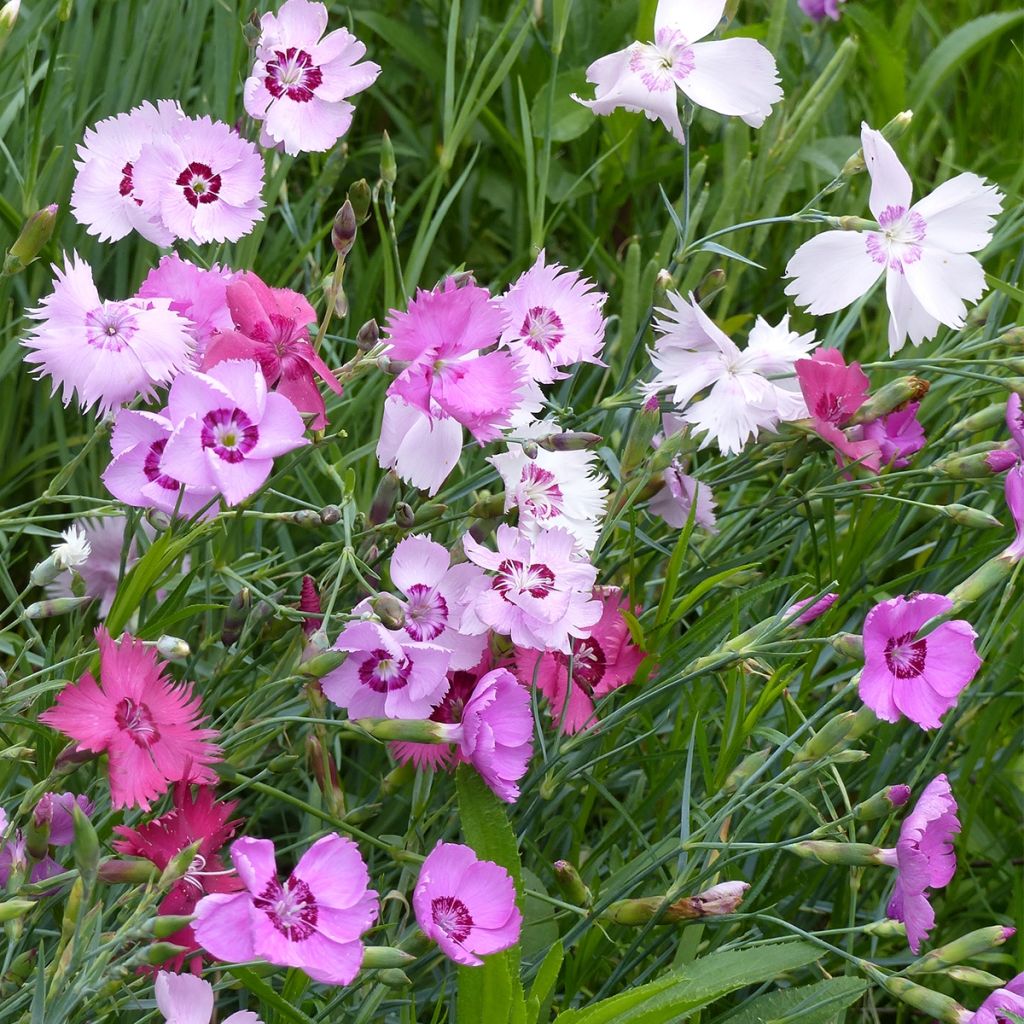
<point>203,179</point>
<point>104,198</point>
<point>919,678</point>
<point>110,352</point>
<point>730,76</point>
<point>186,999</point>
<point>1005,1000</point>
<point>922,250</point>
<point>101,571</point>
<point>55,808</point>
<point>675,499</point>
<point>227,429</point>
<point>817,10</point>
<point>465,904</point>
<point>924,859</point>
<point>300,82</point>
<point>898,435</point>
<point>1015,503</point>
<point>313,921</point>
<point>541,593</point>
<point>552,320</point>
<point>422,448</point>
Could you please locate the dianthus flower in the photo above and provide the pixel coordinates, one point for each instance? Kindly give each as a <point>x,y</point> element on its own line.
<point>674,501</point>
<point>818,10</point>
<point>101,571</point>
<point>898,435</point>
<point>422,448</point>
<point>56,810</point>
<point>996,1007</point>
<point>186,999</point>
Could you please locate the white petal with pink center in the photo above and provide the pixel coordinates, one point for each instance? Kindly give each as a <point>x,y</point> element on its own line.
<point>422,449</point>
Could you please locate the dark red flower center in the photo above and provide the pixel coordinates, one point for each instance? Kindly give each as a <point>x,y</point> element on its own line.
<point>517,578</point>
<point>127,183</point>
<point>540,493</point>
<point>829,408</point>
<point>199,184</point>
<point>292,73</point>
<point>230,433</point>
<point>542,329</point>
<point>151,467</point>
<point>291,908</point>
<point>905,656</point>
<point>135,719</point>
<point>588,664</point>
<point>452,916</point>
<point>383,673</point>
<point>426,613</point>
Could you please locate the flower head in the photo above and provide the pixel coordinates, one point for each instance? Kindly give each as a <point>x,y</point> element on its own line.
<point>811,609</point>
<point>101,571</point>
<point>74,550</point>
<point>186,999</point>
<point>817,10</point>
<point>898,435</point>
<point>1008,999</point>
<point>56,808</point>
<point>421,447</point>
<point>1015,503</point>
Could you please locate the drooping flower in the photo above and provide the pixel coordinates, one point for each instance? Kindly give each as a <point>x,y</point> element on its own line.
<point>923,250</point>
<point>817,10</point>
<point>553,320</point>
<point>603,662</point>
<point>186,999</point>
<point>540,594</point>
<point>227,429</point>
<point>422,448</point>
<point>898,435</point>
<point>271,325</point>
<point>1015,503</point>
<point>199,818</point>
<point>924,859</point>
<point>920,678</point>
<point>465,904</point>
<point>730,76</point>
<point>203,180</point>
<point>149,728</point>
<point>312,921</point>
<point>300,82</point>
<point>110,352</point>
<point>101,571</point>
<point>1005,1000</point>
<point>104,198</point>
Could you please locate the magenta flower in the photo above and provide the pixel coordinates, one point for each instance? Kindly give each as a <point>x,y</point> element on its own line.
<point>149,728</point>
<point>228,430</point>
<point>386,674</point>
<point>465,904</point>
<point>810,609</point>
<point>817,10</point>
<point>898,435</point>
<point>540,594</point>
<point>300,82</point>
<point>730,76</point>
<point>603,662</point>
<point>110,352</point>
<point>271,325</point>
<point>1005,1000</point>
<point>1015,503</point>
<point>203,180</point>
<point>923,858</point>
<point>312,921</point>
<point>58,809</point>
<point>422,448</point>
<point>186,999</point>
<point>919,678</point>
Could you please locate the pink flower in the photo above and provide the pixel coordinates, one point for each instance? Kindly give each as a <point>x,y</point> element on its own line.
<point>1015,420</point>
<point>386,673</point>
<point>103,197</point>
<point>437,755</point>
<point>923,858</point>
<point>553,319</point>
<point>1005,1000</point>
<point>466,905</point>
<point>817,10</point>
<point>228,430</point>
<point>731,76</point>
<point>810,609</point>
<point>1015,503</point>
<point>603,662</point>
<point>422,448</point>
<point>55,808</point>
<point>898,435</point>
<point>203,180</point>
<point>540,594</point>
<point>921,249</point>
<point>272,327</point>
<point>58,809</point>
<point>674,501</point>
<point>919,678</point>
<point>313,921</point>
<point>300,82</point>
<point>185,999</point>
<point>149,728</point>
<point>110,352</point>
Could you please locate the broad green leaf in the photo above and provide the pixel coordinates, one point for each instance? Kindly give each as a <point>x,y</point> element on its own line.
<point>569,119</point>
<point>809,1004</point>
<point>544,981</point>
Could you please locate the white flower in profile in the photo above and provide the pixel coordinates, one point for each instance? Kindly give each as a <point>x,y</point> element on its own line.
<point>74,550</point>
<point>747,390</point>
<point>730,76</point>
<point>922,249</point>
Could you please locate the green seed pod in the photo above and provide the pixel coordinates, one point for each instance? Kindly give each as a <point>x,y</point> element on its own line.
<point>159,953</point>
<point>850,645</point>
<point>982,581</point>
<point>990,416</point>
<point>178,865</point>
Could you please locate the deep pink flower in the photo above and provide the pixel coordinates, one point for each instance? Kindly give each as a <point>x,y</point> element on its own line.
<point>465,904</point>
<point>309,602</point>
<point>817,10</point>
<point>422,448</point>
<point>1015,503</point>
<point>604,661</point>
<point>811,609</point>
<point>919,678</point>
<point>149,728</point>
<point>312,921</point>
<point>271,325</point>
<point>923,858</point>
<point>300,82</point>
<point>1015,420</point>
<point>899,435</point>
<point>1008,999</point>
<point>186,999</point>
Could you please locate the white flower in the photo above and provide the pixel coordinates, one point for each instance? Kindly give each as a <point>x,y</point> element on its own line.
<point>75,550</point>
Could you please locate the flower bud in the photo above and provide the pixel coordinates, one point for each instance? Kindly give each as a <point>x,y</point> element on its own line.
<point>388,166</point>
<point>306,518</point>
<point>252,30</point>
<point>710,285</point>
<point>393,977</point>
<point>982,581</point>
<point>967,516</point>
<point>646,423</point>
<point>10,910</point>
<point>571,884</point>
<point>855,854</point>
<point>160,521</point>
<point>37,231</point>
<point>428,511</point>
<point>45,571</point>
<point>319,665</point>
<point>389,610</point>
<point>8,16</point>
<point>570,441</point>
<point>882,803</point>
<point>234,617</point>
<point>282,763</point>
<point>890,397</point>
<point>408,730</point>
<point>530,449</point>
<point>745,769</point>
<point>404,515</point>
<point>367,336</point>
<point>86,845</point>
<point>720,899</point>
<point>380,957</point>
<point>330,514</point>
<point>714,902</point>
<point>172,648</point>
<point>37,832</point>
<point>826,739</point>
<point>56,606</point>
<point>384,499</point>
<point>71,757</point>
<point>990,416</point>
<point>359,197</point>
<point>973,976</point>
<point>850,645</point>
<point>934,1004</point>
<point>968,946</point>
<point>343,231</point>
<point>166,925</point>
<point>178,865</point>
<point>887,928</point>
<point>128,871</point>
<point>488,506</point>
<point>158,953</point>
<point>664,281</point>
<point>891,131</point>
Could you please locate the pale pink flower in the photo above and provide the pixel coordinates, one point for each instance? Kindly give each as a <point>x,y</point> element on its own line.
<point>203,180</point>
<point>110,352</point>
<point>313,921</point>
<point>149,728</point>
<point>465,904</point>
<point>103,197</point>
<point>301,80</point>
<point>186,999</point>
<point>540,594</point>
<point>730,76</point>
<point>921,249</point>
<point>898,435</point>
<point>1005,1000</point>
<point>422,448</point>
<point>919,678</point>
<point>228,430</point>
<point>101,571</point>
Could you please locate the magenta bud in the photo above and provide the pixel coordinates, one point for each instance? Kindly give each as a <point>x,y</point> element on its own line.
<point>811,609</point>
<point>882,803</point>
<point>898,795</point>
<point>1001,460</point>
<point>128,870</point>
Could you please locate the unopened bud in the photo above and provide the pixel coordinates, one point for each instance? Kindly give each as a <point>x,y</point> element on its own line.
<point>714,902</point>
<point>319,665</point>
<point>173,648</point>
<point>934,1004</point>
<point>890,132</point>
<point>384,499</point>
<point>850,645</point>
<point>571,884</point>
<point>404,515</point>
<point>830,736</point>
<point>128,871</point>
<point>160,521</point>
<point>86,844</point>
<point>389,610</point>
<point>887,928</point>
<point>855,854</point>
<point>306,518</point>
<point>34,235</point>
<point>37,832</point>
<point>408,730</point>
<point>56,606</point>
<point>664,281</point>
<point>891,397</point>
<point>11,910</point>
<point>388,166</point>
<point>489,506</point>
<point>8,16</point>
<point>982,940</point>
<point>382,957</point>
<point>252,30</point>
<point>530,449</point>
<point>393,977</point>
<point>967,516</point>
<point>235,616</point>
<point>343,231</point>
<point>646,423</point>
<point>178,865</point>
<point>428,511</point>
<point>71,757</point>
<point>398,778</point>
<point>570,441</point>
<point>973,976</point>
<point>166,925</point>
<point>282,763</point>
<point>720,899</point>
<point>982,581</point>
<point>330,514</point>
<point>882,803</point>
<point>990,416</point>
<point>746,768</point>
<point>160,952</point>
<point>359,197</point>
<point>368,335</point>
<point>710,285</point>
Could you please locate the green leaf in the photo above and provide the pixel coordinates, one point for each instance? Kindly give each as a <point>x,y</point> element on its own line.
<point>569,119</point>
<point>267,996</point>
<point>722,250</point>
<point>544,981</point>
<point>809,1004</point>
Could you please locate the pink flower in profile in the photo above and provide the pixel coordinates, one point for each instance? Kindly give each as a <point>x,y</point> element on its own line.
<point>186,999</point>
<point>465,904</point>
<point>730,76</point>
<point>150,729</point>
<point>422,448</point>
<point>109,352</point>
<point>898,435</point>
<point>228,430</point>
<point>811,608</point>
<point>1015,503</point>
<point>602,662</point>
<point>922,250</point>
<point>995,1009</point>
<point>919,678</point>
<point>675,500</point>
<point>300,82</point>
<point>104,198</point>
<point>386,674</point>
<point>312,921</point>
<point>271,325</point>
<point>203,180</point>
<point>817,10</point>
<point>101,571</point>
<point>540,594</point>
<point>923,858</point>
